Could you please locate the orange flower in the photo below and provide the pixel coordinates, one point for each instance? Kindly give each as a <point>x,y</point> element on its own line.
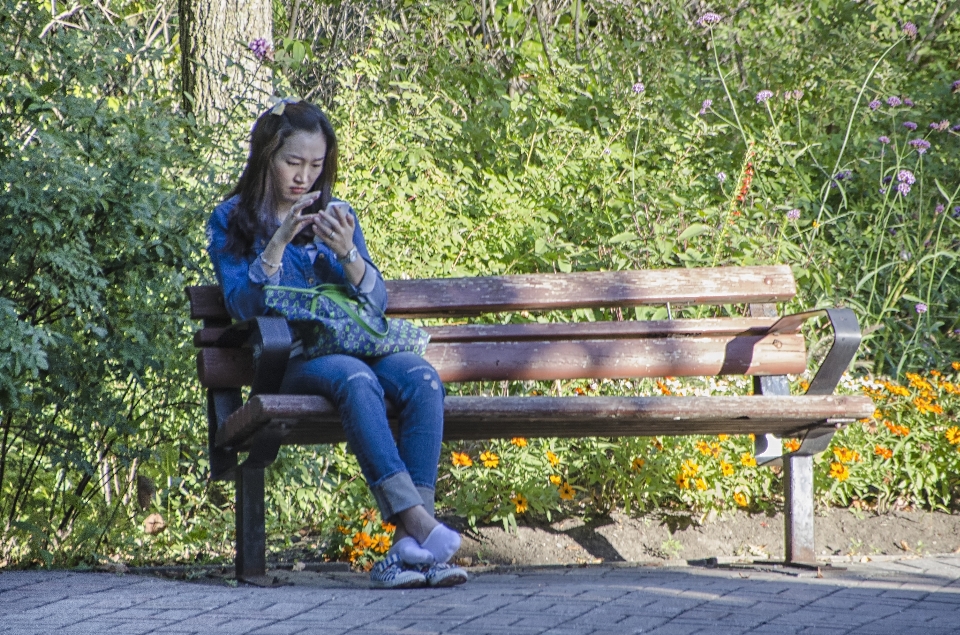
<point>389,528</point>
<point>895,389</point>
<point>953,435</point>
<point>924,406</point>
<point>555,479</point>
<point>900,431</point>
<point>748,460</point>
<point>839,471</point>
<point>791,445</point>
<point>918,382</point>
<point>689,468</point>
<point>955,365</point>
<point>804,385</point>
<point>637,464</point>
<point>935,373</point>
<point>701,484</point>
<point>343,530</point>
<point>461,459</point>
<point>362,540</point>
<point>726,468</point>
<point>846,455</point>
<point>566,492</point>
<point>489,459</point>
<point>520,501</point>
<point>657,444</point>
<point>882,452</point>
<point>369,516</point>
<point>553,458</point>
<point>740,499</point>
<point>381,544</point>
<point>520,442</point>
<point>663,388</point>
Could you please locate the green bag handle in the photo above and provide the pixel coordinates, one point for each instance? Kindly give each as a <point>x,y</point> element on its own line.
<point>335,294</point>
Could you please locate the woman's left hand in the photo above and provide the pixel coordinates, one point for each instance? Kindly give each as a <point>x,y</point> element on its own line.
<point>335,226</point>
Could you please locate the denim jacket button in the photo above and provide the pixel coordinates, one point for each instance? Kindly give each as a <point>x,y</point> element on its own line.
<point>311,280</point>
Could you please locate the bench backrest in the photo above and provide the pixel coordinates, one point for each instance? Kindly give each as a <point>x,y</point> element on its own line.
<point>537,351</point>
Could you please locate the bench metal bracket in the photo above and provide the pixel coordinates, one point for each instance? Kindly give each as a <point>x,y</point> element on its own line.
<point>270,339</point>
<point>846,341</point>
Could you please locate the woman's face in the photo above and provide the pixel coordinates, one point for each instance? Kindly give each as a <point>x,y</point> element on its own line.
<point>296,166</point>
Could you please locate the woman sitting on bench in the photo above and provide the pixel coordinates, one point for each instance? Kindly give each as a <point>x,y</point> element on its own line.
<point>281,226</point>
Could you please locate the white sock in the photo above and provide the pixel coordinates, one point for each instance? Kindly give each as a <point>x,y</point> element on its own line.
<point>411,552</point>
<point>442,542</point>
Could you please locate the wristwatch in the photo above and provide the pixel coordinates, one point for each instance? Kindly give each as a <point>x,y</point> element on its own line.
<point>348,257</point>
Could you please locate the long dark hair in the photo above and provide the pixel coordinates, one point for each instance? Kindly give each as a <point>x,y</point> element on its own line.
<point>254,215</point>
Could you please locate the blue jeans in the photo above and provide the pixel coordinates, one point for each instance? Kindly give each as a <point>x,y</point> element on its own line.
<point>402,473</point>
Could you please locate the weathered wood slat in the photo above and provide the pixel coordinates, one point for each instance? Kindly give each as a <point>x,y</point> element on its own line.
<point>536,360</point>
<point>545,292</point>
<point>628,329</point>
<point>309,419</point>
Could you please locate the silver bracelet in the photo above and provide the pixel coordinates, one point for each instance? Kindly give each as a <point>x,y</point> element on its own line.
<point>270,264</point>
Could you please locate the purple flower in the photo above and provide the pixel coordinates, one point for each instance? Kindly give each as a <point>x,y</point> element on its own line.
<point>708,18</point>
<point>908,102</point>
<point>793,214</point>
<point>884,139</point>
<point>606,151</point>
<point>910,29</point>
<point>939,209</point>
<point>906,176</point>
<point>921,307</point>
<point>260,48</point>
<point>883,190</point>
<point>922,145</point>
<point>909,125</point>
<point>721,176</point>
<point>763,96</point>
<point>705,106</point>
<point>843,175</point>
<point>903,188</point>
<point>956,128</point>
<point>893,101</point>
<point>874,104</point>
<point>933,125</point>
<point>955,87</point>
<point>639,88</point>
<point>956,212</point>
<point>887,179</point>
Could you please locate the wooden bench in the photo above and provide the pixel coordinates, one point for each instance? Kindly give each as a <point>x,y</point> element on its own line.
<point>755,342</point>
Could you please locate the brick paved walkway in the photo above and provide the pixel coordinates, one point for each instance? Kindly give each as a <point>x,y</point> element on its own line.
<point>907,596</point>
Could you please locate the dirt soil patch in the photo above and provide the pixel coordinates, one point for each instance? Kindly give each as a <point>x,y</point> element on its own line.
<point>665,536</point>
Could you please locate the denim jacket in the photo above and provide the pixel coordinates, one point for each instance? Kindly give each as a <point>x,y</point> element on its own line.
<point>242,278</point>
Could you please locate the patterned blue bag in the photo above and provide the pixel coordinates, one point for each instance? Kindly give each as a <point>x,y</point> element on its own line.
<point>328,321</point>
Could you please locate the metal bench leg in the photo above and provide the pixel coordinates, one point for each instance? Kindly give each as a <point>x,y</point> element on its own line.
<point>251,525</point>
<point>798,521</point>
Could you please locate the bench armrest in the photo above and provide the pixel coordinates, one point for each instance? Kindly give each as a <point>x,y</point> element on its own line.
<point>846,341</point>
<point>271,342</point>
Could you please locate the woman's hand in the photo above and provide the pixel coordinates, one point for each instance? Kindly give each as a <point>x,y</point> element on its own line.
<point>335,227</point>
<point>295,221</point>
<point>292,224</point>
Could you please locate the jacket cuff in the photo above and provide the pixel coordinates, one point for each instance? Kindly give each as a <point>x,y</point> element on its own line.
<point>258,274</point>
<point>369,280</point>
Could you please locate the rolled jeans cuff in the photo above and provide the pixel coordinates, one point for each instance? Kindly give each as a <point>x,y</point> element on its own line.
<point>395,494</point>
<point>427,495</point>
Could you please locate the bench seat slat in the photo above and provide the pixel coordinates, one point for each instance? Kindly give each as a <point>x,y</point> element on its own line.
<point>569,330</point>
<point>578,359</point>
<point>310,419</point>
<point>450,297</point>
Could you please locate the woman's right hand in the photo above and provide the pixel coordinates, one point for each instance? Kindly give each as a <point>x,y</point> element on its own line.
<point>295,221</point>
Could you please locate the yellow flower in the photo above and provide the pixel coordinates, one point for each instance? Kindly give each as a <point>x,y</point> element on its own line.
<point>362,540</point>
<point>804,385</point>
<point>637,464</point>
<point>791,445</point>
<point>723,437</point>
<point>566,492</point>
<point>924,406</point>
<point>816,224</point>
<point>726,468</point>
<point>555,479</point>
<point>918,382</point>
<point>343,530</point>
<point>747,459</point>
<point>839,471</point>
<point>521,502</point>
<point>895,389</point>
<point>381,544</point>
<point>955,365</point>
<point>953,435</point>
<point>882,452</point>
<point>752,436</point>
<point>701,484</point>
<point>704,448</point>
<point>740,499</point>
<point>656,444</point>
<point>682,481</point>
<point>846,455</point>
<point>935,373</point>
<point>553,458</point>
<point>489,459</point>
<point>461,459</point>
<point>689,468</point>
<point>520,442</point>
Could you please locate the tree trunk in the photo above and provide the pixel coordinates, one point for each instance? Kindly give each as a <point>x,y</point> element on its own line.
<point>212,35</point>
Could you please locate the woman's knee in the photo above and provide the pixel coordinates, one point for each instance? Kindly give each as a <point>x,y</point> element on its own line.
<point>336,376</point>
